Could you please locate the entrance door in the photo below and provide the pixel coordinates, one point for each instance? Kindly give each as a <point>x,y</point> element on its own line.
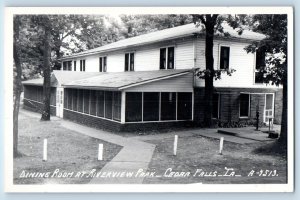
<point>59,102</point>
<point>269,108</point>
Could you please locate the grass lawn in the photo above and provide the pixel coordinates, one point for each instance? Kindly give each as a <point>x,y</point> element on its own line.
<point>68,151</point>
<point>201,153</point>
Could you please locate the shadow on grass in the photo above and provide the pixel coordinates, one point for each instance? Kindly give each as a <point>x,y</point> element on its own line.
<point>274,148</point>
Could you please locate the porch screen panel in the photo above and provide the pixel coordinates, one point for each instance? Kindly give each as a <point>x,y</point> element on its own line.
<point>108,105</point>
<point>151,106</point>
<point>86,102</point>
<point>100,103</point>
<point>75,99</point>
<point>184,106</point>
<point>70,95</point>
<point>52,97</point>
<point>93,102</point>
<point>80,100</point>
<point>66,98</point>
<point>133,107</point>
<point>117,106</point>
<point>168,106</point>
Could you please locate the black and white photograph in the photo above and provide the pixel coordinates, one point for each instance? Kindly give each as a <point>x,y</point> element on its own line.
<point>178,99</point>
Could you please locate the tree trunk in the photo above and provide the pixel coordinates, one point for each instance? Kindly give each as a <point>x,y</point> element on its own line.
<point>209,78</point>
<point>46,70</point>
<point>18,84</point>
<point>283,133</point>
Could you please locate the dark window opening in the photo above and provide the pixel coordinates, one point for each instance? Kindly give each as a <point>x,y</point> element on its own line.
<point>167,58</point>
<point>82,65</point>
<point>102,64</point>
<point>260,64</point>
<point>184,106</point>
<point>74,65</point>
<point>244,105</point>
<point>171,58</point>
<point>151,106</point>
<point>133,107</point>
<point>224,58</point>
<point>168,106</point>
<point>129,62</point>
<point>216,105</point>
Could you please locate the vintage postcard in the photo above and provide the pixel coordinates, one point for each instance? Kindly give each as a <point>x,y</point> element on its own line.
<point>149,99</point>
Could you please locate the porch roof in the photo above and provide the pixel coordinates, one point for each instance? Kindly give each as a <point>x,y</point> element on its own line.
<point>123,80</point>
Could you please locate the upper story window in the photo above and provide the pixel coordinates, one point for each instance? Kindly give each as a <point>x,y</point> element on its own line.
<point>166,60</point>
<point>129,62</point>
<point>224,57</point>
<point>74,65</point>
<point>260,62</point>
<point>102,64</point>
<point>67,65</point>
<point>82,65</point>
<point>244,104</point>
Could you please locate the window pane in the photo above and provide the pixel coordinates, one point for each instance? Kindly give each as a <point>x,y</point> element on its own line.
<point>100,64</point>
<point>126,61</point>
<point>215,110</point>
<point>74,65</point>
<point>80,100</point>
<point>260,58</point>
<point>168,106</point>
<point>269,101</point>
<point>100,103</point>
<point>75,97</point>
<point>184,106</point>
<point>151,106</point>
<point>132,62</point>
<point>244,105</point>
<point>133,107</point>
<point>117,106</point>
<point>83,65</point>
<point>171,58</point>
<point>224,58</point>
<point>86,97</point>
<point>104,64</point>
<point>108,105</point>
<point>80,65</point>
<point>163,58</point>
<point>93,102</point>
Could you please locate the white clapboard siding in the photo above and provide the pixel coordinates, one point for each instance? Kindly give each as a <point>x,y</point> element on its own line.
<point>184,55</point>
<point>182,83</point>
<point>147,59</point>
<point>116,61</point>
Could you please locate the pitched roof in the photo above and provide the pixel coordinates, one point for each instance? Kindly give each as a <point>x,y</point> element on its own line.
<point>62,77</point>
<point>166,34</point>
<point>122,80</point>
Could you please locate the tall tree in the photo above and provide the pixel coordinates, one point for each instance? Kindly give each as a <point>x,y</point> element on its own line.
<point>17,82</point>
<point>275,47</point>
<point>46,68</point>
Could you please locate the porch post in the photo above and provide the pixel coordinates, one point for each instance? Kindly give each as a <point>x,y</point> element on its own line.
<point>123,104</point>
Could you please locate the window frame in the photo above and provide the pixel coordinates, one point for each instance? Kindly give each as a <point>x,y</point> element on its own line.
<point>220,55</point>
<point>129,61</point>
<point>167,57</point>
<point>249,106</point>
<point>82,65</point>
<point>102,64</point>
